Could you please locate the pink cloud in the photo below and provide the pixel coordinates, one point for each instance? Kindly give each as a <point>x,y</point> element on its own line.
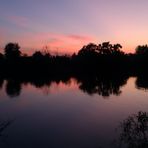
<point>61,43</point>
<point>80,37</point>
<point>67,43</point>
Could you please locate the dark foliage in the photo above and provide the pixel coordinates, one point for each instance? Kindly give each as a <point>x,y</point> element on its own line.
<point>92,59</point>
<point>12,51</point>
<point>134,131</point>
<point>102,84</point>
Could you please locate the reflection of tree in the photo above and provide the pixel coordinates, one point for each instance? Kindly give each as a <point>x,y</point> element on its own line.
<point>142,82</point>
<point>13,88</point>
<point>41,83</point>
<point>45,82</point>
<point>104,86</point>
<point>134,131</point>
<point>1,82</point>
<point>95,84</point>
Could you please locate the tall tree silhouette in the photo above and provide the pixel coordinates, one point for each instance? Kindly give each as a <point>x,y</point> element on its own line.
<point>38,55</point>
<point>142,49</point>
<point>107,48</point>
<point>12,51</point>
<point>88,49</point>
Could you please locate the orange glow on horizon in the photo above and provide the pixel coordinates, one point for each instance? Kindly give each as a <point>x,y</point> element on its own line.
<point>64,49</point>
<point>68,43</point>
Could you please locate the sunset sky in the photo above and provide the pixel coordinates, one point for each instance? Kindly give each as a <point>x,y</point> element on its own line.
<point>66,25</point>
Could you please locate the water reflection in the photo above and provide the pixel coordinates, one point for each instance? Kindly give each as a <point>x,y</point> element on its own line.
<point>13,88</point>
<point>134,131</point>
<point>103,85</point>
<point>67,117</point>
<point>1,82</point>
<point>142,82</point>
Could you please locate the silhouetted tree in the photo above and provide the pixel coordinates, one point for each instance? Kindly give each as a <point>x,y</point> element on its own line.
<point>88,49</point>
<point>134,131</point>
<point>105,49</point>
<point>47,55</point>
<point>141,58</point>
<point>142,49</point>
<point>38,55</point>
<point>12,51</point>
<point>108,49</point>
<point>91,58</point>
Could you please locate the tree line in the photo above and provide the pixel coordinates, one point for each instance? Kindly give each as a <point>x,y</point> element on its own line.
<point>92,58</point>
<point>101,69</point>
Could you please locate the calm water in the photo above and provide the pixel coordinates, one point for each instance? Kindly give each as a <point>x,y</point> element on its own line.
<point>67,114</point>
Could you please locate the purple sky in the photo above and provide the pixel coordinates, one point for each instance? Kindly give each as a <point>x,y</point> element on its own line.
<point>66,25</point>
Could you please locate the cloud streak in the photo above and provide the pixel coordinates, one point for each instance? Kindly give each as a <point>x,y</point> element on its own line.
<point>80,37</point>
<point>63,43</point>
<point>56,42</point>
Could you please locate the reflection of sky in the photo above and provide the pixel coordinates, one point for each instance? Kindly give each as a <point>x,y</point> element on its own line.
<point>65,25</point>
<point>67,116</point>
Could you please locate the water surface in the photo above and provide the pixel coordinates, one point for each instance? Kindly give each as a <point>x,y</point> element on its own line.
<point>69,114</point>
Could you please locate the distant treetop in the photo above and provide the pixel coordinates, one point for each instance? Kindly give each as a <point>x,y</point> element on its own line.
<point>142,49</point>
<point>105,48</point>
<point>12,51</point>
